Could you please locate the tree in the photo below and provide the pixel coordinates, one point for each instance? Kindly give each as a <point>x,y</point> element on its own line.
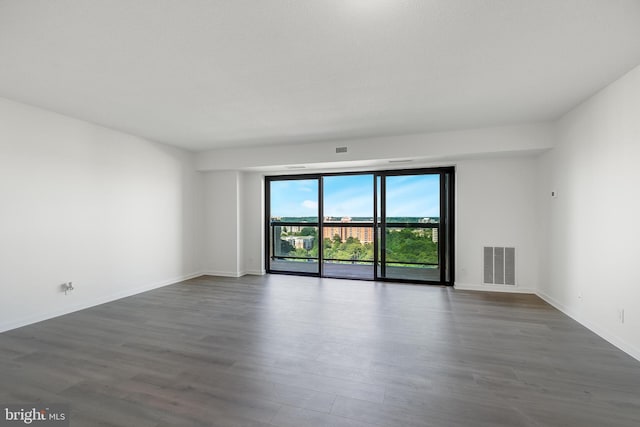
<point>308,231</point>
<point>408,246</point>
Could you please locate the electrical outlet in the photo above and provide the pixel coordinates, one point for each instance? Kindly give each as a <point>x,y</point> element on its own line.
<point>580,296</point>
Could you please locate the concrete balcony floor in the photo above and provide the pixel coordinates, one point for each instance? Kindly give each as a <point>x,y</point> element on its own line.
<point>356,271</point>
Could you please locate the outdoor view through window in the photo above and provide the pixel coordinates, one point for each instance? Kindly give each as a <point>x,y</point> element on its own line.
<point>330,220</point>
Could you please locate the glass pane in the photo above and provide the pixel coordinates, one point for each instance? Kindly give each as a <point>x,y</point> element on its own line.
<point>413,198</point>
<point>412,227</point>
<point>348,198</point>
<point>412,253</point>
<point>294,249</point>
<point>294,226</point>
<point>294,200</point>
<point>348,226</point>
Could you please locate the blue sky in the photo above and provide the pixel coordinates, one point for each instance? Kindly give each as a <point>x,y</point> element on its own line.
<point>348,195</point>
<point>352,195</point>
<point>294,198</point>
<point>413,195</point>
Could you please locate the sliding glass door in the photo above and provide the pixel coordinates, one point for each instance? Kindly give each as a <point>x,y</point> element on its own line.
<point>347,226</point>
<point>293,244</point>
<point>410,227</point>
<point>389,225</point>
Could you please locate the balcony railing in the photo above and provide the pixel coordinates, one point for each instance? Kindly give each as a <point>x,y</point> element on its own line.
<point>412,251</point>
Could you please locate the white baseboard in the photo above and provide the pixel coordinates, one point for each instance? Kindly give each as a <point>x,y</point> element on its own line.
<point>225,273</point>
<point>28,320</point>
<point>598,330</point>
<point>493,288</point>
<point>257,272</point>
<point>235,273</point>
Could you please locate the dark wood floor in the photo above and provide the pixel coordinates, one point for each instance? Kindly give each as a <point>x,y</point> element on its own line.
<point>292,351</point>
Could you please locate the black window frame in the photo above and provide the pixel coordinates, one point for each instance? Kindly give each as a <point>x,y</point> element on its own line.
<point>446,225</point>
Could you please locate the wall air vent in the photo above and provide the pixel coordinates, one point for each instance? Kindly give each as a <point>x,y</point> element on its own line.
<point>341,149</point>
<point>499,265</point>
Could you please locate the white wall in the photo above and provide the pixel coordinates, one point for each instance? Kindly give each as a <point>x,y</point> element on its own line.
<point>252,220</point>
<point>424,147</point>
<point>242,259</point>
<point>223,241</point>
<point>112,213</point>
<point>221,202</point>
<point>494,190</point>
<point>592,229</point>
<point>234,211</point>
<point>495,207</point>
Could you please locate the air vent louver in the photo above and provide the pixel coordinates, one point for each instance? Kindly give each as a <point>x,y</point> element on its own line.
<point>499,265</point>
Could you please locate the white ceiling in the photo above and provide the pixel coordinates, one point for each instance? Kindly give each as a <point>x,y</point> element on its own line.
<point>207,74</point>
